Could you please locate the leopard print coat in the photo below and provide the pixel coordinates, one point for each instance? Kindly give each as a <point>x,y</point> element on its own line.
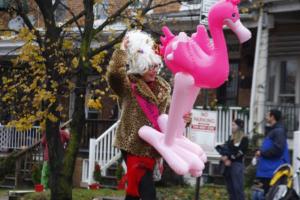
<point>132,116</point>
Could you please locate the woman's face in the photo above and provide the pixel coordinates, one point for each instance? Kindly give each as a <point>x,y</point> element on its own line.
<point>234,127</point>
<point>150,75</point>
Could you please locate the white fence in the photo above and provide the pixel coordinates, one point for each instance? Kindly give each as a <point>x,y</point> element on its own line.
<point>11,138</point>
<point>224,122</point>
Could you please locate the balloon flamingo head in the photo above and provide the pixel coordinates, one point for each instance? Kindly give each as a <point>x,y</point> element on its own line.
<point>227,12</point>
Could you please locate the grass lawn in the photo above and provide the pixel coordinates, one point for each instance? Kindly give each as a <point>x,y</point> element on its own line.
<point>208,192</point>
<point>3,192</point>
<point>78,194</point>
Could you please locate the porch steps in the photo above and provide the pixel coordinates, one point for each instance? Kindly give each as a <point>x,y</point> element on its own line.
<point>110,181</point>
<point>3,186</point>
<point>8,182</point>
<point>17,194</point>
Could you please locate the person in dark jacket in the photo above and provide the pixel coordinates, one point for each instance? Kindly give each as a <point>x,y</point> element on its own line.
<point>233,159</point>
<point>274,150</point>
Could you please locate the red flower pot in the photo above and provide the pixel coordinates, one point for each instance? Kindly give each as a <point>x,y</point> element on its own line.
<point>94,186</point>
<point>39,188</point>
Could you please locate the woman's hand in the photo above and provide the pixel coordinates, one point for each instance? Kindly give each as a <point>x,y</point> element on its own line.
<point>224,158</point>
<point>187,118</point>
<point>227,162</point>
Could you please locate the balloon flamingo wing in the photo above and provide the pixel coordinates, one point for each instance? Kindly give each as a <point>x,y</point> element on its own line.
<point>202,39</point>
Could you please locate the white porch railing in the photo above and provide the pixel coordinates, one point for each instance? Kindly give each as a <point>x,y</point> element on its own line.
<point>11,138</point>
<point>224,122</point>
<point>103,152</point>
<point>85,171</point>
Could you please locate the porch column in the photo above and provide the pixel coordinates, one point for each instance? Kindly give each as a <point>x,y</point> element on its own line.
<point>259,77</point>
<point>296,153</point>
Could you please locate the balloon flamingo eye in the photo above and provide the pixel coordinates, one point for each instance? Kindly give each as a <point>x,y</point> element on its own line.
<point>233,14</point>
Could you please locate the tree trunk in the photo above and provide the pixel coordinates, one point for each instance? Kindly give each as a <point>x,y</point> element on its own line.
<point>56,155</point>
<point>63,188</point>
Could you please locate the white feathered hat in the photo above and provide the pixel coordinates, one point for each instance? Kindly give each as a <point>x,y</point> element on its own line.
<point>141,52</point>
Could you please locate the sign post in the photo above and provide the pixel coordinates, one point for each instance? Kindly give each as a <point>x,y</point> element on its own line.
<point>203,131</point>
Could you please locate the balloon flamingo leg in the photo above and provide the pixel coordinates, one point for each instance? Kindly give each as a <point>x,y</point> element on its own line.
<point>197,63</point>
<point>183,155</point>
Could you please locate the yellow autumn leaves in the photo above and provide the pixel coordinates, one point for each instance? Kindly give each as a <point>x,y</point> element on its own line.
<point>97,60</point>
<point>94,104</point>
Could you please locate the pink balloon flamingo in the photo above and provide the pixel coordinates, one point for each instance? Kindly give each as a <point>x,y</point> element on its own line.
<point>197,63</point>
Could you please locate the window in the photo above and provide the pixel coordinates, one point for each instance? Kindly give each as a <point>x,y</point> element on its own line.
<point>227,94</point>
<point>60,11</point>
<point>100,10</point>
<point>138,4</point>
<point>3,4</point>
<point>283,80</point>
<point>288,73</point>
<point>232,84</point>
<point>193,1</point>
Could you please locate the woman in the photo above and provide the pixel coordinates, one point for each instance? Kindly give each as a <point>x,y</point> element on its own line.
<point>233,160</point>
<point>144,96</point>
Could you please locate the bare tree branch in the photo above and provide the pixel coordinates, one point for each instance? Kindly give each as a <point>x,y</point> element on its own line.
<point>88,29</point>
<point>73,15</point>
<point>163,4</point>
<point>146,9</point>
<point>15,49</point>
<point>108,45</point>
<point>56,3</point>
<point>46,9</point>
<point>74,19</point>
<point>113,17</point>
<point>9,30</point>
<point>20,11</point>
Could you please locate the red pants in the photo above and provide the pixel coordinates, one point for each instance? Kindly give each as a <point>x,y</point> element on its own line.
<point>139,169</point>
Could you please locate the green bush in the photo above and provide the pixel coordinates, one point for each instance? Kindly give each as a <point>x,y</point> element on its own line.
<point>97,173</point>
<point>36,173</point>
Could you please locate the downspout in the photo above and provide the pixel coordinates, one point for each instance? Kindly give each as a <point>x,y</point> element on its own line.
<point>256,62</point>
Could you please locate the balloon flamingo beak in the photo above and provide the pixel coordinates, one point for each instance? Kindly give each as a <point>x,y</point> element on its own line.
<point>239,29</point>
